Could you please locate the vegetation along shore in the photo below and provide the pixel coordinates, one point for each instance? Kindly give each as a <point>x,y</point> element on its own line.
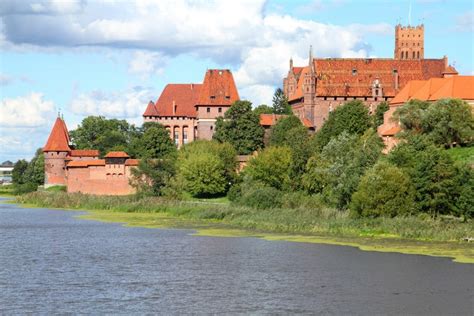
<point>333,186</point>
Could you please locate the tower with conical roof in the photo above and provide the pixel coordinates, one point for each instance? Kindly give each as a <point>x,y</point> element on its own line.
<point>55,152</point>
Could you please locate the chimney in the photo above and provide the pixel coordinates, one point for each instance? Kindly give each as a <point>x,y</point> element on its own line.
<point>174,107</point>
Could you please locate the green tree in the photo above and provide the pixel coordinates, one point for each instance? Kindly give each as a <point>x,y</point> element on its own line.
<point>379,112</point>
<point>445,122</point>
<point>263,109</point>
<point>280,103</point>
<point>272,167</point>
<point>448,122</point>
<point>290,132</point>
<point>441,185</point>
<point>384,190</point>
<point>155,142</point>
<point>352,117</point>
<point>207,168</point>
<point>411,115</point>
<point>336,171</point>
<point>97,132</point>
<point>18,172</point>
<point>34,173</point>
<point>241,128</point>
<point>153,175</point>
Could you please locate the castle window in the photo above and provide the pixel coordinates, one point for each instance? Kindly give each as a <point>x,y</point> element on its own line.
<point>227,97</point>
<point>219,110</point>
<point>413,55</point>
<point>418,55</point>
<point>208,110</point>
<point>213,96</point>
<point>354,71</point>
<point>335,98</point>
<point>395,71</point>
<point>375,98</point>
<point>325,98</point>
<point>176,137</point>
<point>211,128</point>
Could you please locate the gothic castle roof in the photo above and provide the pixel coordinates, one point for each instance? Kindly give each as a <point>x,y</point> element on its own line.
<point>180,100</point>
<point>59,138</point>
<point>354,77</point>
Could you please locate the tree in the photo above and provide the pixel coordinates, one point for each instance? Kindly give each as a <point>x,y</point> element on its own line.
<point>34,173</point>
<point>384,190</point>
<point>290,132</point>
<point>352,117</point>
<point>272,167</point>
<point>207,168</point>
<point>379,113</point>
<point>241,128</point>
<point>263,109</point>
<point>153,175</point>
<point>280,103</point>
<point>155,142</point>
<point>445,122</point>
<point>448,122</point>
<point>103,134</point>
<point>18,172</point>
<point>441,185</point>
<point>336,171</point>
<point>279,132</point>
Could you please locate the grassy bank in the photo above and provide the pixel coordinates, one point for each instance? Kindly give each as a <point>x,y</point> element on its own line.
<point>440,237</point>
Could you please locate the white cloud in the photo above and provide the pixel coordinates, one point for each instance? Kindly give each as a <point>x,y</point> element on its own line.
<point>257,94</point>
<point>31,110</point>
<point>235,33</point>
<point>146,63</point>
<point>119,104</point>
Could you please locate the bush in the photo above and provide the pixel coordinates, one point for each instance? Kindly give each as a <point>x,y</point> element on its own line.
<point>272,167</point>
<point>384,190</point>
<point>24,188</point>
<point>57,188</point>
<point>261,198</point>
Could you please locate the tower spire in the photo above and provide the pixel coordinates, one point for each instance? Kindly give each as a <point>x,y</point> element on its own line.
<point>310,55</point>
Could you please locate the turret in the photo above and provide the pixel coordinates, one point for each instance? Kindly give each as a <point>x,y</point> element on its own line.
<point>309,87</point>
<point>55,152</point>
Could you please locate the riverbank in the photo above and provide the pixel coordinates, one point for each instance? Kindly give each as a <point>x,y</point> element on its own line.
<point>414,235</point>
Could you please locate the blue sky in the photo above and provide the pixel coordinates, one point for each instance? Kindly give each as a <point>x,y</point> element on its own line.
<point>110,58</point>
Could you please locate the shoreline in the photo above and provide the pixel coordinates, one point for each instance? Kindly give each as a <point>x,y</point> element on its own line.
<point>461,252</point>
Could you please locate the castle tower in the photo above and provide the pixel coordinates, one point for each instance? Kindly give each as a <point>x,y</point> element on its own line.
<point>409,42</point>
<point>55,152</point>
<point>309,87</point>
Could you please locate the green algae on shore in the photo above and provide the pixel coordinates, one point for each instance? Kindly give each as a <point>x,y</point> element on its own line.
<point>460,252</point>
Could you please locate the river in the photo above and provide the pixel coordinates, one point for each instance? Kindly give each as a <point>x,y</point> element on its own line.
<point>52,262</point>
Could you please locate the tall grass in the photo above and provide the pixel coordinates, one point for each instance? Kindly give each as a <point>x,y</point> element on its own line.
<point>311,219</point>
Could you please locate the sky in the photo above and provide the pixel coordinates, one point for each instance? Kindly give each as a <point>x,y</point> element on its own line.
<point>110,57</point>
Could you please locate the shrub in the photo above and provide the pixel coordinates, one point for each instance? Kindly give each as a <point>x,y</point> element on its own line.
<point>261,198</point>
<point>385,190</point>
<point>272,167</point>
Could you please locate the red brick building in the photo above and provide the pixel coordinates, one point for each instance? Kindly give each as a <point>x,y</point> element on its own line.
<point>189,111</point>
<point>82,170</point>
<point>325,83</point>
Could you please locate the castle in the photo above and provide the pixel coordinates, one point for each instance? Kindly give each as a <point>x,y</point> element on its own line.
<point>325,83</point>
<point>82,170</point>
<point>189,111</point>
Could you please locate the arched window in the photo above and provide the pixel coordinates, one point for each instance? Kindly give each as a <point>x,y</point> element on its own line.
<point>418,55</point>
<point>413,55</point>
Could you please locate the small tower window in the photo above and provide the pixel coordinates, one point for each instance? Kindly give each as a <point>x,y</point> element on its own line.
<point>208,110</point>
<point>219,110</point>
<point>354,71</point>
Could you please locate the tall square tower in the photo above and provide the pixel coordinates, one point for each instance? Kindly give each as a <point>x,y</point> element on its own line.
<point>409,42</point>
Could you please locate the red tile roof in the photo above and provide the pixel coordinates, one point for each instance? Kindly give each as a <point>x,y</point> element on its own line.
<point>117,154</point>
<point>176,100</point>
<point>355,76</point>
<point>307,123</point>
<point>450,70</point>
<point>459,87</point>
<point>84,153</point>
<point>270,119</point>
<point>151,110</point>
<point>85,163</point>
<point>132,162</point>
<point>59,138</point>
<point>218,88</point>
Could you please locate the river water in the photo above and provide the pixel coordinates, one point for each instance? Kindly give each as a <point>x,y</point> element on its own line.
<point>52,262</point>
